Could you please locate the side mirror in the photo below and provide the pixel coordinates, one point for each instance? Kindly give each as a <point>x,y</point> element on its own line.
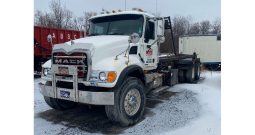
<point>160,28</point>
<point>161,39</point>
<point>134,38</point>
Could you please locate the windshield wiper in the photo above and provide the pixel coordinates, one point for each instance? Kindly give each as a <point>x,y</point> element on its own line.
<point>115,33</point>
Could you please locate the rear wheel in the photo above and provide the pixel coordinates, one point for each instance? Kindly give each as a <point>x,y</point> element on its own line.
<point>190,74</point>
<point>181,76</point>
<point>197,71</point>
<point>129,102</point>
<point>59,104</point>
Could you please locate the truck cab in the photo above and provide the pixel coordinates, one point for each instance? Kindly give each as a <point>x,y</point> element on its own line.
<point>116,65</point>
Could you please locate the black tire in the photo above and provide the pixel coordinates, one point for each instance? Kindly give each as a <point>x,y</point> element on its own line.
<point>59,104</point>
<point>219,67</point>
<point>190,74</point>
<point>181,76</point>
<point>197,71</point>
<point>117,111</point>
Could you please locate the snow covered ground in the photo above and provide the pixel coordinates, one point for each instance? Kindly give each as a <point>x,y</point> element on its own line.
<point>192,109</point>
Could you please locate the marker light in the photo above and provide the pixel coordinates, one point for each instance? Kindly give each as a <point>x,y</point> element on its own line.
<point>111,76</point>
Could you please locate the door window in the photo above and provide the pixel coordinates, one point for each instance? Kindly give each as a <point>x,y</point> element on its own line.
<point>149,31</point>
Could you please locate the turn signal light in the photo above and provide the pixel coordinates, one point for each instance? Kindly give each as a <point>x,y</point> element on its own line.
<point>111,76</point>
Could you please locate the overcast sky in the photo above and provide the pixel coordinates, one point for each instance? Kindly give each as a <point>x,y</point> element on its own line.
<point>198,9</point>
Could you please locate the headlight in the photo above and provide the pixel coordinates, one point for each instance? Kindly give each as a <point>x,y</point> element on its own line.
<point>102,76</point>
<point>46,71</point>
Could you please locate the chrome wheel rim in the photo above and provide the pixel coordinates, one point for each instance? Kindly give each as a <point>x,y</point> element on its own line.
<point>132,102</point>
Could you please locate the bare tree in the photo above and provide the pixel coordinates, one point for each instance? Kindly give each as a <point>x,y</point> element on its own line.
<point>57,12</point>
<point>205,27</point>
<point>67,19</point>
<point>78,23</point>
<point>39,19</point>
<point>87,15</point>
<point>195,28</point>
<point>189,24</point>
<point>82,23</point>
<point>180,25</point>
<point>216,26</point>
<point>43,19</point>
<point>62,16</point>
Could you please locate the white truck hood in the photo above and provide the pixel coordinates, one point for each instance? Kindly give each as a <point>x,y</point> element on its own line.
<point>102,40</point>
<point>94,42</point>
<point>101,47</point>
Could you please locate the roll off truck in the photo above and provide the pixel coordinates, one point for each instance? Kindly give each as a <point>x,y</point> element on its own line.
<point>116,66</point>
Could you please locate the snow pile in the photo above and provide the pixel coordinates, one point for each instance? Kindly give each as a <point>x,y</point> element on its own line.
<point>172,113</point>
<point>192,109</point>
<point>209,96</point>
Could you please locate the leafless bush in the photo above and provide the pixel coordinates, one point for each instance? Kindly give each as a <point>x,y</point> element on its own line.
<point>61,17</point>
<point>195,28</point>
<point>205,27</point>
<point>216,26</point>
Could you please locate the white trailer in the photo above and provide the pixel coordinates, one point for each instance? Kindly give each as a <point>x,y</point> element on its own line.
<point>207,47</point>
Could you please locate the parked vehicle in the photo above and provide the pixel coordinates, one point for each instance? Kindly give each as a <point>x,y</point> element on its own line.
<point>45,38</point>
<point>207,47</point>
<point>116,65</point>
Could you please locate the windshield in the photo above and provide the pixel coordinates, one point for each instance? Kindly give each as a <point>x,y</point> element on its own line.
<point>117,25</point>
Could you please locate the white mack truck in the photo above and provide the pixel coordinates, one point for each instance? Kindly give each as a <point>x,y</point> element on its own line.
<point>116,65</point>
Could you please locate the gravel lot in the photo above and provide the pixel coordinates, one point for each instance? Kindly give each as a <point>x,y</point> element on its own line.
<point>182,109</point>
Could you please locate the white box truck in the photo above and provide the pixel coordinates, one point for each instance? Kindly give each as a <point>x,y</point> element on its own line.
<point>207,47</point>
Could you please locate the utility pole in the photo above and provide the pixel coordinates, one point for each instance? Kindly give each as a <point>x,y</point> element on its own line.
<point>125,5</point>
<point>156,7</point>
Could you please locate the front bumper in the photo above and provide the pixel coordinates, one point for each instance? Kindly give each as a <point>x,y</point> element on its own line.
<point>87,97</point>
<point>74,94</point>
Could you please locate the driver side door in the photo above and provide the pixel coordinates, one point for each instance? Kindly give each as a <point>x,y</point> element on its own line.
<point>150,48</point>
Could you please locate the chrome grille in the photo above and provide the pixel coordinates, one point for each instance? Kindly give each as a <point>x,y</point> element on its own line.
<point>76,59</point>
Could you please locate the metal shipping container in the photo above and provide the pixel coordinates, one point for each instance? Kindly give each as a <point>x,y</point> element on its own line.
<point>208,48</point>
<point>43,46</point>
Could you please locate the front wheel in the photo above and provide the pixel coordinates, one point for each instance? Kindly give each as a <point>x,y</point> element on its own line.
<point>129,102</point>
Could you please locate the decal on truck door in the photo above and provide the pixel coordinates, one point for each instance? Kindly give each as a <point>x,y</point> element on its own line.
<point>149,61</point>
<point>149,52</point>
